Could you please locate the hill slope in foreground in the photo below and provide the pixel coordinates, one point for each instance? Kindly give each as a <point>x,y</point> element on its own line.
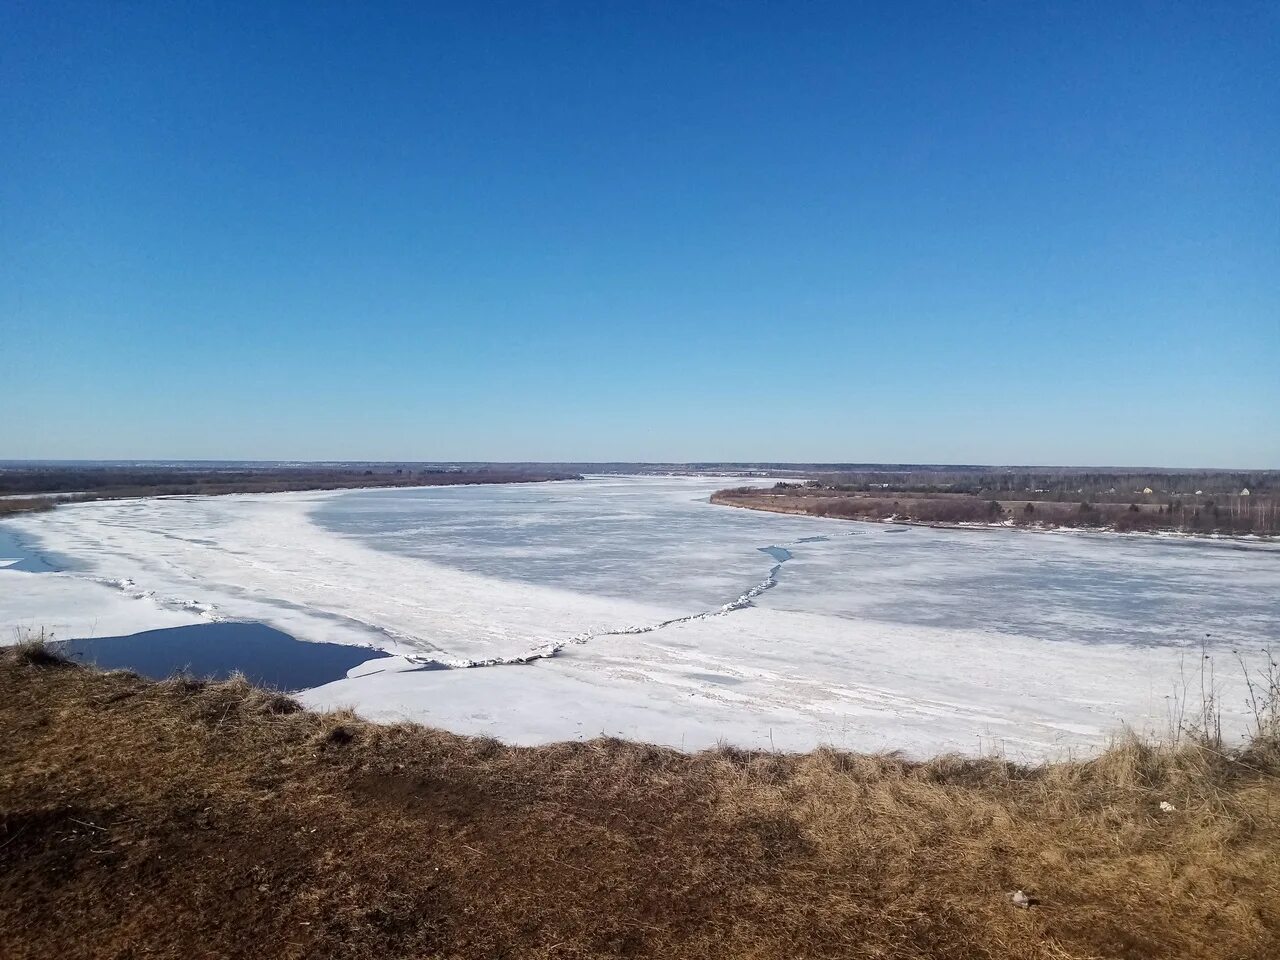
<point>179,819</point>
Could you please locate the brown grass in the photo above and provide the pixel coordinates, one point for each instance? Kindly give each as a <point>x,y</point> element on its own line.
<point>14,505</point>
<point>178,819</point>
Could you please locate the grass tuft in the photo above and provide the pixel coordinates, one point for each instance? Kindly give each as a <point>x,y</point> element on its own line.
<point>35,650</point>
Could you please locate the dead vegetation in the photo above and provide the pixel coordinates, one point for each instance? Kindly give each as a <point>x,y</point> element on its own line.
<point>1258,516</point>
<point>15,505</point>
<point>182,819</point>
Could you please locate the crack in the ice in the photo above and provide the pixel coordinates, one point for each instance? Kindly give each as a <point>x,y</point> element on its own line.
<point>547,651</point>
<point>554,648</point>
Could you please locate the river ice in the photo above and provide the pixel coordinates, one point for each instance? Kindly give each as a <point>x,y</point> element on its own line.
<point>673,620</point>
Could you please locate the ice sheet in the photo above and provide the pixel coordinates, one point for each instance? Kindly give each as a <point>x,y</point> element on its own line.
<point>68,606</point>
<point>259,558</point>
<point>748,680</point>
<point>779,631</point>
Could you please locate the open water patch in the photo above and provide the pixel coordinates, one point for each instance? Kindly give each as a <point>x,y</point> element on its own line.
<point>781,554</point>
<point>215,651</point>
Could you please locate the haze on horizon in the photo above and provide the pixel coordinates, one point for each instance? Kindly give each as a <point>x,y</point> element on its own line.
<point>1008,234</point>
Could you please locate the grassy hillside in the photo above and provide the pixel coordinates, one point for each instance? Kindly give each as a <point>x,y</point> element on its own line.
<point>177,819</point>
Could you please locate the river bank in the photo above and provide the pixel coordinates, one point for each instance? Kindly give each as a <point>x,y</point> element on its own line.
<point>961,512</point>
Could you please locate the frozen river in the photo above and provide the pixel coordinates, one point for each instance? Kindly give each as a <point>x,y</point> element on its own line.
<point>672,620</point>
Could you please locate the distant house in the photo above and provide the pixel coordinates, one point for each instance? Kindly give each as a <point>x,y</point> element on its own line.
<point>1199,492</point>
<point>1147,490</point>
<point>1244,492</point>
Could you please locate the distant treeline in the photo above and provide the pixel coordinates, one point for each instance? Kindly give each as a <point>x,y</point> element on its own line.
<point>1061,485</point>
<point>50,485</point>
<point>1255,513</point>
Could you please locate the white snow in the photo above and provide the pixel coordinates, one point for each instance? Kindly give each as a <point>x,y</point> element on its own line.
<point>867,637</point>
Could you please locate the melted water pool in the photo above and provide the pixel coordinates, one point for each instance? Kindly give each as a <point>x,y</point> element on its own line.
<point>217,650</point>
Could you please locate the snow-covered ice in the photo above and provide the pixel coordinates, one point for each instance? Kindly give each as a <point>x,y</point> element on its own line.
<point>673,620</point>
<point>68,606</point>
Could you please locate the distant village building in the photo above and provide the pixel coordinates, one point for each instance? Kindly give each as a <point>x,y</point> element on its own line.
<point>1147,490</point>
<point>1244,492</point>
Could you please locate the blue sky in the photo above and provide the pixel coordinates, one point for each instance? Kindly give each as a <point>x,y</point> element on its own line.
<point>997,232</point>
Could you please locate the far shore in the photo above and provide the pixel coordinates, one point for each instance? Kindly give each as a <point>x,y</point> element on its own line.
<point>40,490</point>
<point>1009,517</point>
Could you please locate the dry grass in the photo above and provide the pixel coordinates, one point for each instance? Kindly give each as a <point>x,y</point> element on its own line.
<point>14,505</point>
<point>178,819</point>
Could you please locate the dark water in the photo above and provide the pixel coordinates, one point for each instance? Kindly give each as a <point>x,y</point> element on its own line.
<point>11,548</point>
<point>266,656</point>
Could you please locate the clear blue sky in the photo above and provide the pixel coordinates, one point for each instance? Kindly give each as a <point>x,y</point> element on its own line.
<point>991,232</point>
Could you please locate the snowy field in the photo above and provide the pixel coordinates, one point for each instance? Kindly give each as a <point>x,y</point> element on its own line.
<point>650,614</point>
